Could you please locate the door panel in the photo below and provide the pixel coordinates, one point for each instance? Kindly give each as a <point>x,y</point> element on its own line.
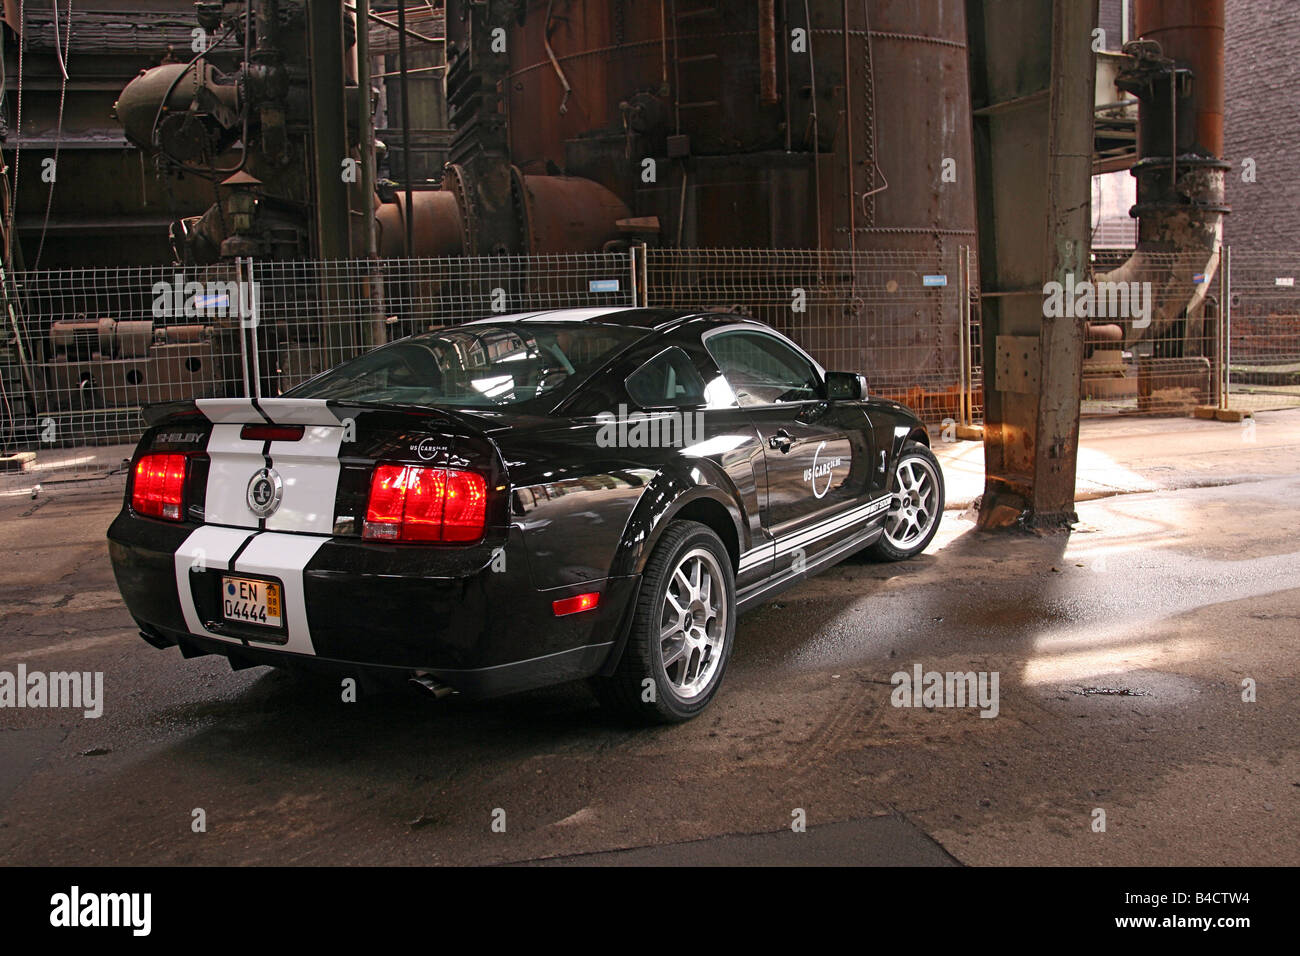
<point>818,453</point>
<point>818,472</point>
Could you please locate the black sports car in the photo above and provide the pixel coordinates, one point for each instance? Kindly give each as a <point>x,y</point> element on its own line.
<point>519,501</point>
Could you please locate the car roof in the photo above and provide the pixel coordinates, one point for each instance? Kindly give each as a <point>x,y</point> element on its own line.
<point>645,318</point>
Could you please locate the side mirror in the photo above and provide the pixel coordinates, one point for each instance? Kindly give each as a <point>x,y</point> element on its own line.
<point>845,386</point>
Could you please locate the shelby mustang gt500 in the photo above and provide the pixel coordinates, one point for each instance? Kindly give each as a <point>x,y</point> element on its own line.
<point>520,501</point>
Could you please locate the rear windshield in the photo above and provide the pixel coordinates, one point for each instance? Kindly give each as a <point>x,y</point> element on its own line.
<point>476,365</point>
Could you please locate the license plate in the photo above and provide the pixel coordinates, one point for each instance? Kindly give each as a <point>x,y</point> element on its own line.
<point>250,601</point>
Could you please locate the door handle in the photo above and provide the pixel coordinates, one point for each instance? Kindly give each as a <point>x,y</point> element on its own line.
<point>781,441</point>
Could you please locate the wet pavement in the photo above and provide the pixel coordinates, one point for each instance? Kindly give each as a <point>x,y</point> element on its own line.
<point>1120,651</point>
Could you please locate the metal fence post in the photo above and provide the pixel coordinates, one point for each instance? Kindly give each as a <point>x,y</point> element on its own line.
<point>967,365</point>
<point>644,284</point>
<point>632,277</point>
<point>253,306</point>
<point>243,342</point>
<point>1225,326</point>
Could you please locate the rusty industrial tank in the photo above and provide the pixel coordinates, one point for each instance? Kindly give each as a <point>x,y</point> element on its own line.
<point>753,124</point>
<point>843,128</point>
<point>583,125</point>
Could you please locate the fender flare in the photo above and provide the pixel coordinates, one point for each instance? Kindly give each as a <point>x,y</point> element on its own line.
<point>665,497</point>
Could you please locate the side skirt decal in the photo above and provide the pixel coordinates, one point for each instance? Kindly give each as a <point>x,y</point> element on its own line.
<point>820,530</point>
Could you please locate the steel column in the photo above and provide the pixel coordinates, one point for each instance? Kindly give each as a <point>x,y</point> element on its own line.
<point>1033,133</point>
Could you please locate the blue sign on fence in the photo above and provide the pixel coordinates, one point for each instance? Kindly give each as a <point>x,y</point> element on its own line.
<point>602,285</point>
<point>932,281</point>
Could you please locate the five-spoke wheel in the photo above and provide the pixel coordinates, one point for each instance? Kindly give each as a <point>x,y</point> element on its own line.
<point>915,506</point>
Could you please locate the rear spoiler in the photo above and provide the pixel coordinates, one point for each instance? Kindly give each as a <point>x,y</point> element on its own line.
<point>291,411</point>
<point>275,411</point>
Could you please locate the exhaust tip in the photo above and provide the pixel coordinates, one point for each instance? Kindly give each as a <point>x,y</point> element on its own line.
<point>435,687</point>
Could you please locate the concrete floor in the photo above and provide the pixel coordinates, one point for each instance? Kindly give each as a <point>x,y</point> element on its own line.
<point>1121,651</point>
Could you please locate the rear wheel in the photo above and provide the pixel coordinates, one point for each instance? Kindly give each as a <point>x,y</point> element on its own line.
<point>915,507</point>
<point>682,632</point>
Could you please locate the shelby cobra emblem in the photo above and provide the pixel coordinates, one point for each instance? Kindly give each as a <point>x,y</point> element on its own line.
<point>264,491</point>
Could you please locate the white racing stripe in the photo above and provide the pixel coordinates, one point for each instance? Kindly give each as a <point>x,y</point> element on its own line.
<point>555,315</point>
<point>299,411</point>
<point>755,557</point>
<point>281,556</point>
<point>309,468</point>
<point>805,536</point>
<point>207,548</point>
<point>284,556</point>
<point>233,463</point>
<point>281,411</point>
<point>223,410</point>
<point>808,535</point>
<point>292,534</point>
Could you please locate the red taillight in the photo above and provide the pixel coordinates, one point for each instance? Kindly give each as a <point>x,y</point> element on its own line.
<point>572,605</point>
<point>271,432</point>
<point>410,503</point>
<point>158,488</point>
<point>466,506</point>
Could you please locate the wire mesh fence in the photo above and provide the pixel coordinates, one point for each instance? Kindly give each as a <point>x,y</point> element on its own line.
<point>1154,331</point>
<point>314,315</point>
<point>83,350</point>
<point>901,318</point>
<point>1263,366</point>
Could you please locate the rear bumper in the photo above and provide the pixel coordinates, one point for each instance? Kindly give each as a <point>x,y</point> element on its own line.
<point>470,618</point>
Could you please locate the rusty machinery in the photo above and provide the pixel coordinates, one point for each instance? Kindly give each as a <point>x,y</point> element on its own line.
<point>192,112</point>
<point>236,114</point>
<point>822,124</point>
<point>247,128</point>
<point>790,125</point>
<point>1176,72</point>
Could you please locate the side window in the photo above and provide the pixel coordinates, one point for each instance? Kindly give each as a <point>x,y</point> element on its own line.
<point>763,370</point>
<point>668,379</point>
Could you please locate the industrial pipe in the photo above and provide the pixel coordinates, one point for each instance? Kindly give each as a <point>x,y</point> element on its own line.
<point>1177,75</point>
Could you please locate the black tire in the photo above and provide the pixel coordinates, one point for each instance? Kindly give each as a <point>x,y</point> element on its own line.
<point>642,688</point>
<point>899,547</point>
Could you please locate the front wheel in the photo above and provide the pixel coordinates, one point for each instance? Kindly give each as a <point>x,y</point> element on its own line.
<point>682,632</point>
<point>915,506</point>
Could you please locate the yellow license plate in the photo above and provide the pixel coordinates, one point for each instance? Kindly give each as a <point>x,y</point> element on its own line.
<point>250,601</point>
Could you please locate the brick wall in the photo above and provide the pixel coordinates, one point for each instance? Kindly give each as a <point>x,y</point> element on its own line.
<point>1263,337</point>
<point>1262,122</point>
<point>1110,19</point>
